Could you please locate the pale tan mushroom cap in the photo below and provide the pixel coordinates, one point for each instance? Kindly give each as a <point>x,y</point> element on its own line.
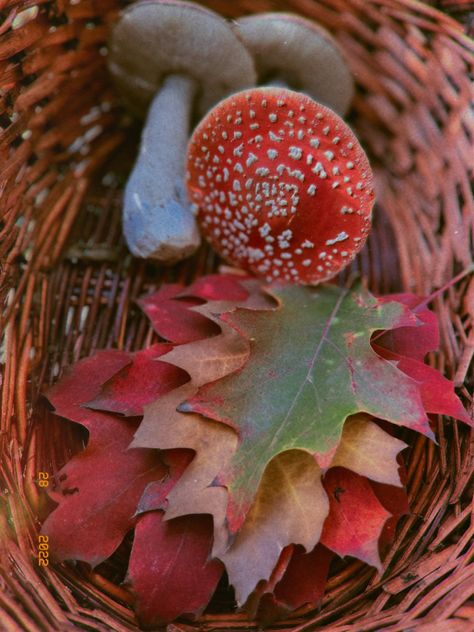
<point>156,39</point>
<point>303,54</point>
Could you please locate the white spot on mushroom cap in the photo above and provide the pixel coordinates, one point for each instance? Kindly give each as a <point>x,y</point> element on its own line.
<point>340,237</point>
<point>295,153</point>
<point>251,159</point>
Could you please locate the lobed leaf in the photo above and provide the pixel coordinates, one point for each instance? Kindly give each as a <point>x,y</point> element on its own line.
<point>139,383</point>
<point>290,507</point>
<point>369,451</point>
<point>356,517</point>
<point>408,341</point>
<point>82,382</point>
<point>296,391</point>
<point>98,492</point>
<point>172,319</point>
<point>303,583</point>
<point>169,570</point>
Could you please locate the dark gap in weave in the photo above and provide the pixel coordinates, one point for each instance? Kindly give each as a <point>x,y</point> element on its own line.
<point>17,58</point>
<point>452,82</point>
<point>19,260</point>
<point>223,599</point>
<point>57,19</point>
<point>16,142</point>
<point>5,121</point>
<point>32,159</point>
<point>436,117</point>
<point>447,108</point>
<point>441,220</point>
<point>93,22</point>
<point>71,44</point>
<point>460,195</point>
<point>27,80</point>
<point>467,133</point>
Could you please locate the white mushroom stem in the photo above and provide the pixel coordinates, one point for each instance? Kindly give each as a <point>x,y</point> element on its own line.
<point>158,222</point>
<point>277,82</point>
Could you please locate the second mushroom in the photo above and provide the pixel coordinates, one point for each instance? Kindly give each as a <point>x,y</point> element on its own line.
<point>292,52</point>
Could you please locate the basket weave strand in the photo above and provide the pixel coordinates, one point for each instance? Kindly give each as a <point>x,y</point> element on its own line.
<point>67,288</point>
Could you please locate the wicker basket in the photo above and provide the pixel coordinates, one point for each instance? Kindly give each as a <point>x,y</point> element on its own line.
<point>68,287</point>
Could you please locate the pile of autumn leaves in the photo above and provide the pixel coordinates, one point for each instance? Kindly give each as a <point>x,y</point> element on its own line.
<point>248,442</point>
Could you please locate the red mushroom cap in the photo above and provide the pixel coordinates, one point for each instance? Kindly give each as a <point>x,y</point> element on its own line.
<point>282,187</point>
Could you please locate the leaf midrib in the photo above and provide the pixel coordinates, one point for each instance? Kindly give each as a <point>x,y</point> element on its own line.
<point>316,353</point>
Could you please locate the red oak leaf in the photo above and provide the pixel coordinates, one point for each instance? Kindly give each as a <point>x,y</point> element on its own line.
<point>303,582</point>
<point>99,488</point>
<point>169,308</point>
<point>395,500</point>
<point>98,492</point>
<point>81,383</point>
<point>139,383</point>
<point>171,317</point>
<point>169,570</point>
<point>218,287</point>
<point>262,599</point>
<point>273,390</point>
<point>437,392</point>
<point>356,517</point>
<point>412,342</point>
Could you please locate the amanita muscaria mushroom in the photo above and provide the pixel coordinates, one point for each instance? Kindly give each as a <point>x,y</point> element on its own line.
<point>282,186</point>
<point>293,52</point>
<point>176,56</point>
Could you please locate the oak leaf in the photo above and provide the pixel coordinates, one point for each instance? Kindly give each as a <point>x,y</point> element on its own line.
<point>395,500</point>
<point>356,517</point>
<point>164,427</point>
<point>169,307</point>
<point>409,341</point>
<point>302,583</point>
<point>82,382</point>
<point>172,319</point>
<point>139,383</point>
<point>169,570</point>
<point>369,451</point>
<point>296,391</point>
<point>270,458</point>
<point>437,392</point>
<point>290,507</point>
<point>99,488</point>
<point>108,489</point>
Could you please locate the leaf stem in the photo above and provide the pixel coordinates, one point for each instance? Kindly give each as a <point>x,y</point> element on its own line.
<point>434,294</point>
<point>444,287</point>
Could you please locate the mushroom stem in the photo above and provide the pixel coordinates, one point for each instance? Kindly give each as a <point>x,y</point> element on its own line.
<point>157,220</point>
<point>277,82</point>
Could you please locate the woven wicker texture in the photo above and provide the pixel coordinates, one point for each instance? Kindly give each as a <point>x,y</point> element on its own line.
<point>462,9</point>
<point>68,287</point>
